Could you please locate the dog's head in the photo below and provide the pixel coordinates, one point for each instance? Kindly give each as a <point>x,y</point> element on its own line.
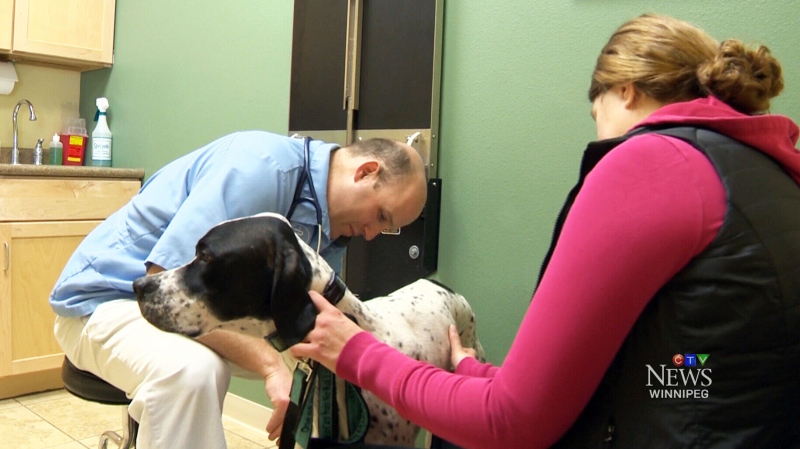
<point>251,275</point>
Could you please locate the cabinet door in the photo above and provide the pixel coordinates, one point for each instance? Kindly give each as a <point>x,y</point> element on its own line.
<point>6,18</point>
<point>79,30</point>
<point>33,256</point>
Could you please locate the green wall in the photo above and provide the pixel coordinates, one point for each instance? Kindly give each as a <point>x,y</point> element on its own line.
<point>514,112</point>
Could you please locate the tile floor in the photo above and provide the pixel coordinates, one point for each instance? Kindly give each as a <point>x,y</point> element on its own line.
<point>59,420</point>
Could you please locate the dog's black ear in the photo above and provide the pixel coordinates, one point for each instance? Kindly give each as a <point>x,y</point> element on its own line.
<point>292,309</point>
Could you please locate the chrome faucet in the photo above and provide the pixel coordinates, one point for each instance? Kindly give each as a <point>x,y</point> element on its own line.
<point>15,149</point>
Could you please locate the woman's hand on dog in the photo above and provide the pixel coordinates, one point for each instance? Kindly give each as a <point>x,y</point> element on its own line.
<point>332,331</point>
<point>458,352</point>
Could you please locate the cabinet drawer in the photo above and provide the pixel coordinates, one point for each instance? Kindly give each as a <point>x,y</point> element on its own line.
<point>34,255</point>
<point>37,199</point>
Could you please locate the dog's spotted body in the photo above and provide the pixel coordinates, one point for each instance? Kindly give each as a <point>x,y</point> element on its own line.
<point>252,275</point>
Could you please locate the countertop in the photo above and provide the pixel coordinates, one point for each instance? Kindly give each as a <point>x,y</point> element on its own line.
<point>70,171</point>
<point>26,168</point>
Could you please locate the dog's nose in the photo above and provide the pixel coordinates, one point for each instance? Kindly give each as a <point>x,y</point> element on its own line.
<point>144,286</point>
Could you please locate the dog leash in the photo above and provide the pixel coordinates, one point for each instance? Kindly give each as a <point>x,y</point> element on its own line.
<point>301,410</point>
<point>354,424</point>
<point>295,423</point>
<point>298,423</point>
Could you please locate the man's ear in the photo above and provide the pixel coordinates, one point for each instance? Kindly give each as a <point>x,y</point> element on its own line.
<point>369,168</point>
<point>292,309</point>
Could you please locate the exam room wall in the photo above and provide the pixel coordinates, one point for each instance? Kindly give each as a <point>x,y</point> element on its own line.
<point>514,113</point>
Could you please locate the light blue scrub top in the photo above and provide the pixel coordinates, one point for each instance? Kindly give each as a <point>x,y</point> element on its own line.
<point>238,175</point>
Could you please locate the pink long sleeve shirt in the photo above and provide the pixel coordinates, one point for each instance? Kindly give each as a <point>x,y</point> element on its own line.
<point>645,210</point>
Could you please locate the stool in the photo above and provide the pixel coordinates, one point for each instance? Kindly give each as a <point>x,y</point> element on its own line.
<point>86,385</point>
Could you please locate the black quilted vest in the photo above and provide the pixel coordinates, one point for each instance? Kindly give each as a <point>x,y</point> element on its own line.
<point>737,302</point>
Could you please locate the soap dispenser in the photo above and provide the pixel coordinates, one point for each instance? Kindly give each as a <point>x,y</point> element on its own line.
<point>56,150</point>
<point>37,153</point>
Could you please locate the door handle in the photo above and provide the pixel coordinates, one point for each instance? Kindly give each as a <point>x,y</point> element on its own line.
<point>352,65</point>
<point>8,255</point>
<point>413,139</point>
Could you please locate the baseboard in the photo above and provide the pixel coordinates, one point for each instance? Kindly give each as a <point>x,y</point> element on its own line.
<point>246,413</point>
<point>255,416</point>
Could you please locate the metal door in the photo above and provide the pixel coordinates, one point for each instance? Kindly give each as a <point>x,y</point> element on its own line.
<point>371,68</point>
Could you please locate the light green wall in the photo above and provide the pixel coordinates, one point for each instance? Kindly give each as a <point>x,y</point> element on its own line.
<point>187,72</point>
<point>514,112</point>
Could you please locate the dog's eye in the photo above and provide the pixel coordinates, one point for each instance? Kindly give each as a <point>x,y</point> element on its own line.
<point>204,257</point>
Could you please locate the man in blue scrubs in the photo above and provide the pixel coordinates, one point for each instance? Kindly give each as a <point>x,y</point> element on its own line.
<point>177,385</point>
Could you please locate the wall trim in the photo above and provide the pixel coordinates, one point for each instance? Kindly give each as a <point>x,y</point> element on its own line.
<point>246,413</point>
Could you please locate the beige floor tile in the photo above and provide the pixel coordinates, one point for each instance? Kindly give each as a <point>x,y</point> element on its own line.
<point>255,435</point>
<point>93,441</point>
<point>235,441</point>
<point>78,418</point>
<point>71,445</point>
<point>233,438</point>
<point>23,429</point>
<point>8,403</point>
<point>59,420</point>
<point>42,397</point>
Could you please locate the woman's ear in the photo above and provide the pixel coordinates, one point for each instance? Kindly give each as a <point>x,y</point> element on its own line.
<point>629,95</point>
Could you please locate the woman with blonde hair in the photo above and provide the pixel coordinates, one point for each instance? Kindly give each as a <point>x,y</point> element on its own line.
<point>668,308</point>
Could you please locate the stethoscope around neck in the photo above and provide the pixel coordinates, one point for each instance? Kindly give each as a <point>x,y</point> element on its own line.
<point>305,178</point>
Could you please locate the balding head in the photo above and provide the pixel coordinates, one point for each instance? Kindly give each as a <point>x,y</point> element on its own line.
<point>375,184</point>
<point>398,159</point>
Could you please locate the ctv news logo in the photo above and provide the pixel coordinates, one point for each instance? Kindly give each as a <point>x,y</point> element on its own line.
<point>686,378</point>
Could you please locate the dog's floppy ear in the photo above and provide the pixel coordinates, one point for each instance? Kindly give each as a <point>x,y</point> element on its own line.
<point>292,309</point>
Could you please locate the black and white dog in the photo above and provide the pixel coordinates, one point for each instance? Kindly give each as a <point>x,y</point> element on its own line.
<point>252,275</point>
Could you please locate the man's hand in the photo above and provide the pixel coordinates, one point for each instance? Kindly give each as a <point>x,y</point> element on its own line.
<point>257,356</point>
<point>458,352</point>
<point>278,384</point>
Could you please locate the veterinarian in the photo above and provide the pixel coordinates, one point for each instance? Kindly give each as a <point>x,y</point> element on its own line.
<point>669,307</point>
<point>177,385</point>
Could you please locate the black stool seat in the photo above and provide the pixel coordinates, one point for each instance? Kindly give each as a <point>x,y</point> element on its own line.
<point>86,385</point>
<point>90,387</point>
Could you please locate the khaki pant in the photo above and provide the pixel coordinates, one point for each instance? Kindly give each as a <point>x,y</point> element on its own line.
<point>176,384</point>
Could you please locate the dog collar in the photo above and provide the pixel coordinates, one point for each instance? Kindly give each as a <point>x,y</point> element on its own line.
<point>334,292</point>
<point>276,341</point>
<point>335,289</point>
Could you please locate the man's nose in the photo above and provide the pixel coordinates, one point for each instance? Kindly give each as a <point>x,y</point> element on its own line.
<point>371,231</point>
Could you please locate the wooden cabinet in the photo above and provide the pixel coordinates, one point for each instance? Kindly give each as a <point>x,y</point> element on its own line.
<point>42,221</point>
<point>6,19</point>
<point>69,33</point>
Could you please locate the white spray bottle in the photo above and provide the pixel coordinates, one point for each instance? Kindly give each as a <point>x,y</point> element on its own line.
<point>101,136</point>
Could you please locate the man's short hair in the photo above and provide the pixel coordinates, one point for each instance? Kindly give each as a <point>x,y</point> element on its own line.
<point>395,158</point>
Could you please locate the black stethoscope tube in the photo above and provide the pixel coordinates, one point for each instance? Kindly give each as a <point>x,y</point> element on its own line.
<point>305,178</point>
